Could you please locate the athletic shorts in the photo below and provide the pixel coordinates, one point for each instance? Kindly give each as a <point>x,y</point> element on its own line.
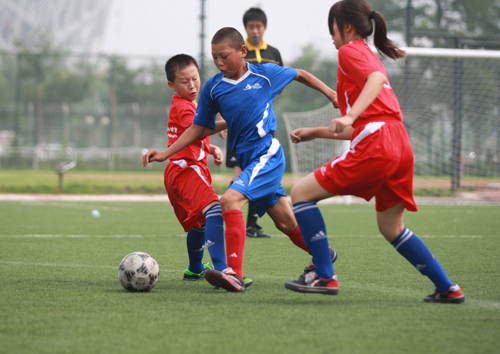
<point>378,164</point>
<point>189,191</point>
<point>231,156</point>
<point>263,167</point>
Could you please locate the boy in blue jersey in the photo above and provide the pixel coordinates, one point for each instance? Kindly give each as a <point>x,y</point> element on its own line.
<point>243,94</point>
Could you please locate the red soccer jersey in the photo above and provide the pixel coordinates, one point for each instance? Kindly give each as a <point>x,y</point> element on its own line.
<point>356,63</point>
<point>180,118</point>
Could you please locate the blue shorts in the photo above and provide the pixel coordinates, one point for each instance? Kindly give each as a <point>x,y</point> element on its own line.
<point>263,166</point>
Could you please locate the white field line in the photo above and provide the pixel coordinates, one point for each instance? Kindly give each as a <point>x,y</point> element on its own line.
<point>76,206</point>
<point>78,266</point>
<point>91,236</point>
<point>145,236</point>
<point>335,212</point>
<point>465,199</point>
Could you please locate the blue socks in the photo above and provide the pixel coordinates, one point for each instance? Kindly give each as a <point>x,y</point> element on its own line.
<point>416,252</point>
<point>214,235</point>
<point>313,230</point>
<point>195,247</point>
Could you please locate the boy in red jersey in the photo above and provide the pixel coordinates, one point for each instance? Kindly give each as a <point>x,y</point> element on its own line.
<point>379,162</point>
<point>187,178</point>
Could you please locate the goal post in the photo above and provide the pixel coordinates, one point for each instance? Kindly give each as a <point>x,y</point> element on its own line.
<point>450,99</point>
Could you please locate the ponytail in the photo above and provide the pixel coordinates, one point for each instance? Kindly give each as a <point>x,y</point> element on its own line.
<point>382,43</point>
<point>359,14</point>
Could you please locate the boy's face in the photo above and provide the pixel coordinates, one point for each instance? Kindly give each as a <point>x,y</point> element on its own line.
<point>228,60</point>
<point>255,29</point>
<point>186,83</point>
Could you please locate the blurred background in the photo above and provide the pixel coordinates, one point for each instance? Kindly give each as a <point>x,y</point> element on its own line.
<point>82,81</point>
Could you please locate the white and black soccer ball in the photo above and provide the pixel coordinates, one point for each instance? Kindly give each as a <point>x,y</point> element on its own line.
<point>138,272</point>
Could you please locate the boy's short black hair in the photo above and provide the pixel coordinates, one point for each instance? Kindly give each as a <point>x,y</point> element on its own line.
<point>230,34</point>
<point>254,14</point>
<point>178,62</point>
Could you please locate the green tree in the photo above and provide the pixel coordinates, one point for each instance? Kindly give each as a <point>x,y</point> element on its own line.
<point>461,17</point>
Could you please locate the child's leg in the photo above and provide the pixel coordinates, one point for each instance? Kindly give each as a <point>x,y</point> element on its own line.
<point>232,201</point>
<point>408,244</point>
<point>195,246</point>
<point>214,235</point>
<point>305,194</point>
<point>284,220</point>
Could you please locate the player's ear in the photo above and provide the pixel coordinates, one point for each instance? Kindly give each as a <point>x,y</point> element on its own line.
<point>348,28</point>
<point>244,50</point>
<point>171,85</point>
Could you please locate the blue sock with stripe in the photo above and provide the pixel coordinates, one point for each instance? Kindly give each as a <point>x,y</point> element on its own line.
<point>195,247</point>
<point>214,235</point>
<point>313,230</point>
<point>416,252</point>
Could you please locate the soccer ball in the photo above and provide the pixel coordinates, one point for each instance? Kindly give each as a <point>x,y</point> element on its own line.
<point>138,272</point>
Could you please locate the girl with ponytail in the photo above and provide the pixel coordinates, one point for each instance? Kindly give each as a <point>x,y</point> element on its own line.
<point>379,162</point>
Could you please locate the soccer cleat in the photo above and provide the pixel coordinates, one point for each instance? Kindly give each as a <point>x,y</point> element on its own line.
<point>246,280</point>
<point>309,273</point>
<point>317,286</point>
<point>227,279</point>
<point>255,231</point>
<point>453,296</point>
<point>188,275</point>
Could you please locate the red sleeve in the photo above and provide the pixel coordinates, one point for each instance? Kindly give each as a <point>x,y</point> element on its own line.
<point>186,115</point>
<point>355,64</point>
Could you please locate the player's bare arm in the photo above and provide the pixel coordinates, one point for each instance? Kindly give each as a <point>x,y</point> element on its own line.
<point>312,81</point>
<point>220,125</point>
<point>190,134</point>
<point>306,134</point>
<point>374,84</point>
<point>222,133</point>
<point>217,154</point>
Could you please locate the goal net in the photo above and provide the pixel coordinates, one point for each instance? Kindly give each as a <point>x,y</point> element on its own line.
<point>451,107</point>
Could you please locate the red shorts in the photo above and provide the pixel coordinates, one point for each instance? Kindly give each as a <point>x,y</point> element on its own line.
<point>189,191</point>
<point>378,164</point>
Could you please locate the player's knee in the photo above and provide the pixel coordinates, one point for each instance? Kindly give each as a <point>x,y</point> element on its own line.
<point>228,202</point>
<point>224,203</point>
<point>285,226</point>
<point>295,194</point>
<point>390,232</point>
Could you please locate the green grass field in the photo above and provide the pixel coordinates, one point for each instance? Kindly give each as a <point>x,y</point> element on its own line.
<point>60,293</point>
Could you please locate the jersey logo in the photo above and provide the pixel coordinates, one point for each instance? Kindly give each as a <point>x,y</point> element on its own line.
<point>250,87</point>
<point>386,85</point>
<point>240,182</point>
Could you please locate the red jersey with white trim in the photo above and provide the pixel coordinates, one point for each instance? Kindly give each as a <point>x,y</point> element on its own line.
<point>356,62</point>
<point>180,118</point>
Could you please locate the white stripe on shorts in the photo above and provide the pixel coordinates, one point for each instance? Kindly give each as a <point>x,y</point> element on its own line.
<point>264,158</point>
<point>183,164</point>
<point>370,128</point>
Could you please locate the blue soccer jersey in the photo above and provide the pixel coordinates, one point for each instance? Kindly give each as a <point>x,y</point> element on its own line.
<point>246,104</point>
<point>247,107</point>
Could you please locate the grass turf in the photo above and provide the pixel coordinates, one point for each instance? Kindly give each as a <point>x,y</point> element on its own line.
<point>60,293</point>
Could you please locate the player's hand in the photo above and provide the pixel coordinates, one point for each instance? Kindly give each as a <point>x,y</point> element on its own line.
<point>150,156</point>
<point>302,134</point>
<point>217,153</point>
<point>339,124</point>
<point>334,100</point>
